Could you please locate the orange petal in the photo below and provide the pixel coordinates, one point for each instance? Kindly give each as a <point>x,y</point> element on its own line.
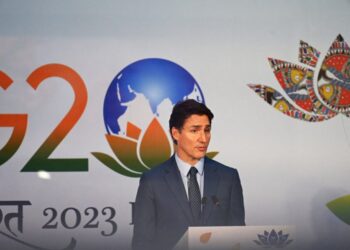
<point>204,238</point>
<point>133,131</point>
<point>125,150</point>
<point>155,145</point>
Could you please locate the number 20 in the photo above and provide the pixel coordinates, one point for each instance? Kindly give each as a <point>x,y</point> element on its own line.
<point>40,160</point>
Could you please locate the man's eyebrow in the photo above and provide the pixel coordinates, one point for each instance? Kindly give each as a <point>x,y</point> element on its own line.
<point>199,126</point>
<point>195,126</point>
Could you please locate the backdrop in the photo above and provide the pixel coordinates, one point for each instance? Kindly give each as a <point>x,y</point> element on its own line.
<point>71,158</point>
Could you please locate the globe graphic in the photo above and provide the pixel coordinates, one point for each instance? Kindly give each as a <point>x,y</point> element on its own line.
<point>153,79</point>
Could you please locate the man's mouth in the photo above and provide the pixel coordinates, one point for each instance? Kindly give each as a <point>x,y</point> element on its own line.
<point>202,149</point>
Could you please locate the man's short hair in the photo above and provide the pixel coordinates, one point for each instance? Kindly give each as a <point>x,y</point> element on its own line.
<point>183,110</point>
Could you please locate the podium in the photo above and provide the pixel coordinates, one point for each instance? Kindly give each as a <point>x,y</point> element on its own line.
<point>238,238</point>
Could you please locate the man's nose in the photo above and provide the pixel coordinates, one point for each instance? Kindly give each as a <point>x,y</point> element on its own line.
<point>203,136</point>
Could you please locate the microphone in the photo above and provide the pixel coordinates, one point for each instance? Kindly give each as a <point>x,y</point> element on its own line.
<point>215,201</point>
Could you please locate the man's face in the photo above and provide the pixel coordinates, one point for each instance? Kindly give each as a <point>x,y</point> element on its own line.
<point>193,139</point>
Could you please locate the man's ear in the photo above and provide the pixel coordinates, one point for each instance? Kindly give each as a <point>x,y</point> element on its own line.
<point>175,133</point>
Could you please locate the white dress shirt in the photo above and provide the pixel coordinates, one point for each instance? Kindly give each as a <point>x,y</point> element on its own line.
<point>185,167</point>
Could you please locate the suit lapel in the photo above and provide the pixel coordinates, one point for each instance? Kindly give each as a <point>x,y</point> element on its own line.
<point>173,178</point>
<point>211,181</point>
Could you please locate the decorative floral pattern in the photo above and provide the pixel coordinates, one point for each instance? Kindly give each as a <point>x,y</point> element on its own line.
<point>309,100</point>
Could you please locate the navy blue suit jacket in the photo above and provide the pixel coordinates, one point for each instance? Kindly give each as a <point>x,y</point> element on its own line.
<point>162,211</point>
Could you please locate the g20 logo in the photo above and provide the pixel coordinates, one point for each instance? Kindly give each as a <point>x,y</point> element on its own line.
<point>149,86</point>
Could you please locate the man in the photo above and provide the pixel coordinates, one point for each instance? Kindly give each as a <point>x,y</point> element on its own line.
<point>187,190</point>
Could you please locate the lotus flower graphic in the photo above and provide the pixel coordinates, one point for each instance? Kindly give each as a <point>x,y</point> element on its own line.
<point>309,100</point>
<point>314,102</point>
<point>273,239</point>
<point>136,153</point>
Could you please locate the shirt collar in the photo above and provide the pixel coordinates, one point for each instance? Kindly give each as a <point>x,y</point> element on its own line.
<point>184,167</point>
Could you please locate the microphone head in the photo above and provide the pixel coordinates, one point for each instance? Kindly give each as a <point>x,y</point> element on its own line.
<point>215,200</point>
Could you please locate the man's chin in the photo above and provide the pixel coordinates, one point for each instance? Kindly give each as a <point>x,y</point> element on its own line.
<point>200,155</point>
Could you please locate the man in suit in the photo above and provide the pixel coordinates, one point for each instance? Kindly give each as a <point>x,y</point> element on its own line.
<point>187,190</point>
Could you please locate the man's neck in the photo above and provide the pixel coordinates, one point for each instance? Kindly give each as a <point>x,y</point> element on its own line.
<point>190,161</point>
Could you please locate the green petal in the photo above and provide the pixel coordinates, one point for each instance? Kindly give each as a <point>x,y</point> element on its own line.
<point>341,208</point>
<point>212,154</point>
<point>114,165</point>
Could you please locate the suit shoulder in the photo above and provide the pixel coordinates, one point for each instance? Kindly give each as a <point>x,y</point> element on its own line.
<point>221,167</point>
<point>158,170</point>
